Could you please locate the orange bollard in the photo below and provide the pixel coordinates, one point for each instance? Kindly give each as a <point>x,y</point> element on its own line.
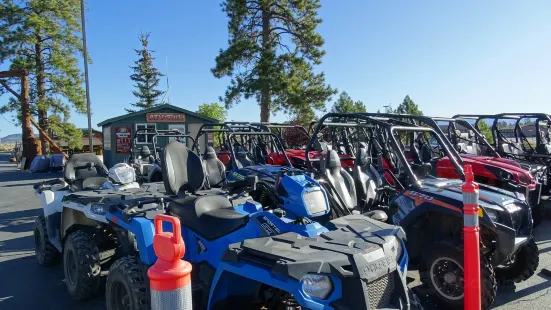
<point>170,276</point>
<point>472,297</point>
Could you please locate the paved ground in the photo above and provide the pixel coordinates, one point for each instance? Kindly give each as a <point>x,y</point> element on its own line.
<point>25,285</point>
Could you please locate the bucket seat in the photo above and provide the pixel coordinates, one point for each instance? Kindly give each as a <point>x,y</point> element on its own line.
<point>341,180</point>
<point>366,184</point>
<point>216,171</point>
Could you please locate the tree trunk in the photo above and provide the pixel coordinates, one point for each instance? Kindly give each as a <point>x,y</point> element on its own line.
<point>265,59</point>
<point>42,107</point>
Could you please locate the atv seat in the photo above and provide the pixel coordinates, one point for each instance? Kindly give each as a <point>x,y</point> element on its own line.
<point>365,184</point>
<point>85,172</point>
<point>241,157</point>
<point>216,171</point>
<point>340,179</point>
<point>209,215</point>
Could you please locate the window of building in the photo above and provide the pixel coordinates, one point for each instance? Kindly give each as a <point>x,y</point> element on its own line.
<point>145,137</point>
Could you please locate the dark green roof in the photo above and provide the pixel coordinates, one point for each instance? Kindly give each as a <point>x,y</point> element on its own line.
<point>156,108</point>
<point>85,130</point>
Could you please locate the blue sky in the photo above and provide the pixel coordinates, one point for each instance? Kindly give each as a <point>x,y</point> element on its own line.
<point>449,56</point>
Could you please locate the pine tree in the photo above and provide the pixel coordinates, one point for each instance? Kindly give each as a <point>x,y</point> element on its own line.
<point>345,104</point>
<point>43,37</point>
<point>146,77</point>
<point>408,107</point>
<point>273,48</point>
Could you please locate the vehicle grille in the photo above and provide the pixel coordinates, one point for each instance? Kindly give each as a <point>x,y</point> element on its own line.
<point>380,291</point>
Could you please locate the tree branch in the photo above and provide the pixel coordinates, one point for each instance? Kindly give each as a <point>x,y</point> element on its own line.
<point>13,92</point>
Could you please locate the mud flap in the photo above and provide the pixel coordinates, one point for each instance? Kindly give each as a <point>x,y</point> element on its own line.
<point>53,224</point>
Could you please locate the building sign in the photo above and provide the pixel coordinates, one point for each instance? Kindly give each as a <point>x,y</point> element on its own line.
<point>166,117</point>
<point>107,138</point>
<point>124,139</point>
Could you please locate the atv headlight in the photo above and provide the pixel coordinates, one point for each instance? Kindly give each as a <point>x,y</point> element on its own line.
<point>506,175</point>
<point>493,215</point>
<point>315,202</point>
<point>317,285</point>
<point>98,208</point>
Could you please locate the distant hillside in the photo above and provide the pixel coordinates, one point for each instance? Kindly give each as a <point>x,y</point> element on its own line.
<point>11,138</point>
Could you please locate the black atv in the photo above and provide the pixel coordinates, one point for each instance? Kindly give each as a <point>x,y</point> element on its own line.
<point>491,170</point>
<point>430,210</point>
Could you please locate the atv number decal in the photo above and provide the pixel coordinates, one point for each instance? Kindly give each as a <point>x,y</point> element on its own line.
<point>269,227</point>
<point>420,198</point>
<point>415,195</point>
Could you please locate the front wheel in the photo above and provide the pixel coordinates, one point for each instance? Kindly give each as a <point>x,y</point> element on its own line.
<point>81,265</point>
<point>127,285</point>
<point>442,271</point>
<point>523,265</point>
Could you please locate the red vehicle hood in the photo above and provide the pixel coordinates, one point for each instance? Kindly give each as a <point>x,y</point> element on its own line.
<point>504,163</point>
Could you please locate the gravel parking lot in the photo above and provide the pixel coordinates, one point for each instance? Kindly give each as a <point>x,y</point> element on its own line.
<point>25,285</point>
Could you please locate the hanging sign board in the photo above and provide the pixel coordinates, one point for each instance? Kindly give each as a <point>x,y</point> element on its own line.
<point>166,117</point>
<point>124,139</point>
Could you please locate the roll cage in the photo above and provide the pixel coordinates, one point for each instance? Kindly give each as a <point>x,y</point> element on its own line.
<point>158,133</point>
<point>521,142</point>
<point>382,134</point>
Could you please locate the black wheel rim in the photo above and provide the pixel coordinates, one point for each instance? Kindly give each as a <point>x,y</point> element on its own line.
<point>38,243</point>
<point>447,278</point>
<point>120,299</point>
<point>71,267</point>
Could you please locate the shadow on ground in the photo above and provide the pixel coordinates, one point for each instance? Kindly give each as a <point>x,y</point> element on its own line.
<point>24,284</point>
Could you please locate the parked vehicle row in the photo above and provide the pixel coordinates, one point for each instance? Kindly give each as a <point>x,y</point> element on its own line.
<point>270,223</point>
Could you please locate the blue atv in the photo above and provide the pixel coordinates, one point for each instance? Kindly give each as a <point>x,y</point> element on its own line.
<point>247,256</point>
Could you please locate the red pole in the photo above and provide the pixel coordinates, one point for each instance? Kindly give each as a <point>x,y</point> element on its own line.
<point>471,244</point>
<point>170,276</point>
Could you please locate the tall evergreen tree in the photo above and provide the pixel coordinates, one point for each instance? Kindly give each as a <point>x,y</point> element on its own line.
<point>273,47</point>
<point>43,37</point>
<point>408,107</point>
<point>345,104</point>
<point>146,77</point>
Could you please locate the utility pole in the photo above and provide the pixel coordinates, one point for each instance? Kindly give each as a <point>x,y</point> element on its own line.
<point>88,111</point>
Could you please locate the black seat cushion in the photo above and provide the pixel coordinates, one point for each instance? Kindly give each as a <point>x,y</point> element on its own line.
<point>210,216</point>
<point>182,169</point>
<point>216,170</point>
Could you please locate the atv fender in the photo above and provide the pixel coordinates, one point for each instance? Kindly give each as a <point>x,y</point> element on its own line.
<point>143,231</point>
<point>71,218</point>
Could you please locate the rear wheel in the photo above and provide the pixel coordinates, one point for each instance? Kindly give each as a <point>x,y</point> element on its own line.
<point>128,285</point>
<point>523,264</point>
<point>46,254</point>
<point>442,271</point>
<point>81,265</point>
